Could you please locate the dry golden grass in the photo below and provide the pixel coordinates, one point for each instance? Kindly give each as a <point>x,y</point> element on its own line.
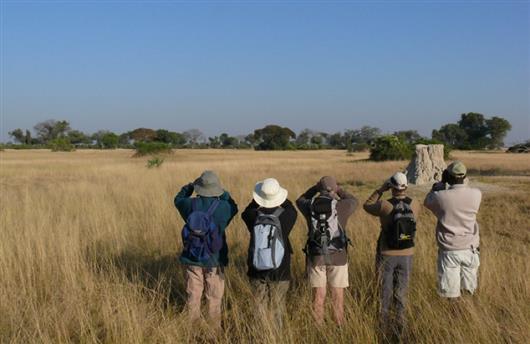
<point>90,239</point>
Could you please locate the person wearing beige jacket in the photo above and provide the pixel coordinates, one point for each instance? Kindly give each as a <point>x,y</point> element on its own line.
<point>457,231</point>
<point>393,264</point>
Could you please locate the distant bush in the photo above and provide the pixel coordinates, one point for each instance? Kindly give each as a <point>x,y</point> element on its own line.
<point>358,147</point>
<point>390,147</point>
<point>155,162</point>
<point>150,148</point>
<point>22,146</point>
<point>61,144</point>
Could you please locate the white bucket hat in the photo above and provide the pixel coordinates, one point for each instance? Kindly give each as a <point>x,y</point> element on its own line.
<point>269,194</point>
<point>399,181</point>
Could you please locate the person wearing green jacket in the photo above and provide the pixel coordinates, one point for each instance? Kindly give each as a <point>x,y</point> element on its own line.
<point>204,270</point>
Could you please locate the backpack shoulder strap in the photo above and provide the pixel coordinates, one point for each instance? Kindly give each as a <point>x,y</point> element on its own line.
<point>394,201</point>
<point>278,212</point>
<point>212,207</point>
<point>194,204</point>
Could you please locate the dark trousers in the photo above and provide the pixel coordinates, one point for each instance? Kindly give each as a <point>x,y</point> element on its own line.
<point>394,274</point>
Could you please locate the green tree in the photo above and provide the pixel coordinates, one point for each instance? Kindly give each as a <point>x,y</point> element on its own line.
<point>124,139</point>
<point>474,131</point>
<point>474,124</point>
<point>18,135</point>
<point>106,139</point>
<point>228,141</point>
<point>408,136</point>
<point>215,142</point>
<point>366,134</point>
<point>497,129</point>
<point>143,134</point>
<point>171,137</point>
<point>251,139</point>
<point>451,134</point>
<point>51,129</point>
<point>273,137</point>
<point>78,137</point>
<point>193,137</point>
<point>110,140</point>
<point>304,137</point>
<point>337,140</point>
<point>28,138</point>
<point>317,140</point>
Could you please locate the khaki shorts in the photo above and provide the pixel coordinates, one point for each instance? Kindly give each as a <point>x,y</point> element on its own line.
<point>321,275</point>
<point>457,270</point>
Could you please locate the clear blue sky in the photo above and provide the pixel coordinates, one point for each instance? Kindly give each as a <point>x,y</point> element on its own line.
<point>234,66</point>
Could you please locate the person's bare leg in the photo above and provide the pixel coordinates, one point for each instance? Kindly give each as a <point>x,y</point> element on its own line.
<point>337,296</point>
<point>318,304</point>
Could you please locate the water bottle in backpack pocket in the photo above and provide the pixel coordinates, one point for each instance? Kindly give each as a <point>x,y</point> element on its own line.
<point>401,231</point>
<point>200,235</point>
<point>267,246</point>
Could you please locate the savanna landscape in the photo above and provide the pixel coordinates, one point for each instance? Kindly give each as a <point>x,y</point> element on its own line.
<point>90,241</point>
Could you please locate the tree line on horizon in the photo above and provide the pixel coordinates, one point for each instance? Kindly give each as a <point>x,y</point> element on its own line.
<point>472,131</point>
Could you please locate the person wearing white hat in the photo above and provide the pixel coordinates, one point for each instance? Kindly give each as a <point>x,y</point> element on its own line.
<point>269,218</point>
<point>395,249</point>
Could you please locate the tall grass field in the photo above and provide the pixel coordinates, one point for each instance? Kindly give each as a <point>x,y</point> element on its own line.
<point>90,240</point>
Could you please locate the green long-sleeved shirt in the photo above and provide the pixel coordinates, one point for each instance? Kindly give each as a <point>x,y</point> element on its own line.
<point>222,216</point>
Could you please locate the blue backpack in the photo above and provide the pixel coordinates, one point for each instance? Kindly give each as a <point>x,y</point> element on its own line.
<point>267,246</point>
<point>200,235</point>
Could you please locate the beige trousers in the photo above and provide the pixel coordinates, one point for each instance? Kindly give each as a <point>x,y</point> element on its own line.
<point>211,281</point>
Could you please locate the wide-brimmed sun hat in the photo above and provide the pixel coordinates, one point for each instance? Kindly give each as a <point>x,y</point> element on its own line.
<point>208,185</point>
<point>399,181</point>
<point>269,194</point>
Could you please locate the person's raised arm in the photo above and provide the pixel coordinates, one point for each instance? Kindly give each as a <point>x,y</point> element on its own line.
<point>431,200</point>
<point>233,206</point>
<point>304,201</point>
<point>348,199</point>
<point>289,216</point>
<point>249,215</point>
<point>181,198</point>
<point>373,204</point>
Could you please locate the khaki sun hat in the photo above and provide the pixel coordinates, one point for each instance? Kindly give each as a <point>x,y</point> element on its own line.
<point>269,194</point>
<point>457,169</point>
<point>208,185</point>
<point>399,181</point>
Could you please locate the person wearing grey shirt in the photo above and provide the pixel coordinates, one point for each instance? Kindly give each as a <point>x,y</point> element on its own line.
<point>457,231</point>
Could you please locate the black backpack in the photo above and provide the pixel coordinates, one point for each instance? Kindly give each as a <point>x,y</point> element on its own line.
<point>325,233</point>
<point>401,231</point>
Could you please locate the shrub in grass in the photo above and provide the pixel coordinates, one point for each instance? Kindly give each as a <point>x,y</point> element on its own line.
<point>358,147</point>
<point>151,148</point>
<point>61,144</point>
<point>390,147</point>
<point>155,162</point>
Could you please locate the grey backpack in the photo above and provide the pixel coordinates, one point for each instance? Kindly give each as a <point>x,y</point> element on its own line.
<point>267,246</point>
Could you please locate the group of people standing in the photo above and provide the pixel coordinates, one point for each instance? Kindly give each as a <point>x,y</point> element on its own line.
<point>326,207</point>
